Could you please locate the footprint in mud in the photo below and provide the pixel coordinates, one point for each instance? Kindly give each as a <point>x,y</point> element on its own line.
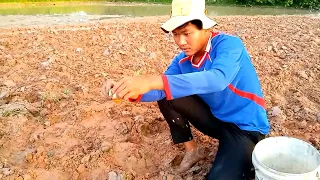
<point>151,129</point>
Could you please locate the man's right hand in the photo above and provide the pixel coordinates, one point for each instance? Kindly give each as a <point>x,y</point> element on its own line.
<point>107,85</point>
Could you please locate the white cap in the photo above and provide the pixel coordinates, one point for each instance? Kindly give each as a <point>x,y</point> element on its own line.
<point>184,11</point>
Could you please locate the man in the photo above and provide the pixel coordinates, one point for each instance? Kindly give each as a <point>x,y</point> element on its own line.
<point>211,84</point>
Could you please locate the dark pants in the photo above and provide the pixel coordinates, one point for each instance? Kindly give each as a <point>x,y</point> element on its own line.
<point>233,159</point>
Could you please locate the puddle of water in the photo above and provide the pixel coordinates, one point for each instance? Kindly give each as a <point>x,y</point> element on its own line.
<point>144,10</point>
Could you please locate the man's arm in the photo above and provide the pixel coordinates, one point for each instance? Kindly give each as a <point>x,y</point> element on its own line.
<point>222,72</point>
<point>158,93</point>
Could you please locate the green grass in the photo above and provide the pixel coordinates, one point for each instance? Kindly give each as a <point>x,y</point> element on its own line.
<point>33,1</point>
<point>12,112</point>
<point>208,2</point>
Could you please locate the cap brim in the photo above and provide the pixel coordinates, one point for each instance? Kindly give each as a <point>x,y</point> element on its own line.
<point>177,21</point>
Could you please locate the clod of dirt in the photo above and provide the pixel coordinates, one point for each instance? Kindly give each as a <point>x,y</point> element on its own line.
<point>160,118</point>
<point>27,177</point>
<point>303,124</point>
<point>44,112</point>
<point>9,83</point>
<point>36,137</point>
<point>195,169</point>
<point>47,123</point>
<point>86,158</point>
<point>303,74</point>
<point>296,109</point>
<point>122,128</point>
<point>212,154</point>
<point>125,113</point>
<point>189,178</point>
<point>28,156</point>
<point>127,176</point>
<point>32,109</point>
<point>105,146</point>
<point>81,168</point>
<point>170,177</point>
<point>4,94</point>
<point>106,52</point>
<point>152,55</point>
<point>138,118</point>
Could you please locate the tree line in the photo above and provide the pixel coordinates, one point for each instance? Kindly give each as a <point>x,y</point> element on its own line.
<point>312,4</point>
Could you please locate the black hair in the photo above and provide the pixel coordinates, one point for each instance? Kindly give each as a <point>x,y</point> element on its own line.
<point>196,22</point>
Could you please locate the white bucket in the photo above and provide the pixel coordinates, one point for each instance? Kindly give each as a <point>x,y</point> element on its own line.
<point>285,158</point>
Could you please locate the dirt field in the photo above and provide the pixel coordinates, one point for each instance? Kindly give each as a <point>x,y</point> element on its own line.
<point>54,123</point>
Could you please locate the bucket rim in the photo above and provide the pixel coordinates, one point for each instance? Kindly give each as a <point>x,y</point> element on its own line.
<point>278,172</point>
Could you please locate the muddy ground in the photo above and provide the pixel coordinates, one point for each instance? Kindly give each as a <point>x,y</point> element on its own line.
<point>54,123</point>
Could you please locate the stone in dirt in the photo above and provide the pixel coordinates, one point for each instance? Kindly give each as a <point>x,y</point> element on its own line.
<point>86,158</point>
<point>47,123</point>
<point>303,74</point>
<point>4,94</point>
<point>106,52</point>
<point>195,169</point>
<point>125,113</point>
<point>78,50</point>
<point>33,110</point>
<point>318,117</point>
<point>9,83</point>
<point>27,177</point>
<point>122,128</point>
<point>113,176</point>
<point>313,140</point>
<point>275,111</point>
<point>28,156</point>
<point>105,146</point>
<point>170,177</point>
<point>81,168</point>
<point>6,171</point>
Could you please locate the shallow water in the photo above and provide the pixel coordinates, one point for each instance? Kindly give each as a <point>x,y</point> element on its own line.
<point>140,10</point>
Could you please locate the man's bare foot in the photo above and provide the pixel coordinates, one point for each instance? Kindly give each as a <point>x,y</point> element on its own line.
<point>191,158</point>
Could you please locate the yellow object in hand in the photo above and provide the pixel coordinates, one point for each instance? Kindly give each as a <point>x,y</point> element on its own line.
<point>114,97</point>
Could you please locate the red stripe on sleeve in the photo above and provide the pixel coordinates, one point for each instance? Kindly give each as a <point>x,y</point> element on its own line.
<point>136,100</point>
<point>247,95</point>
<point>167,90</point>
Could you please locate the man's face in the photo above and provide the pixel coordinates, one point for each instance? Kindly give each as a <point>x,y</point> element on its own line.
<point>189,39</point>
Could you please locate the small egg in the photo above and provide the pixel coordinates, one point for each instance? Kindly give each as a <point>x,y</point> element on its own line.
<point>114,96</point>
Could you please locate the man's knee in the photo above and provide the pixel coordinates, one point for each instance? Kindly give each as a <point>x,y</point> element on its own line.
<point>175,104</point>
<point>162,103</point>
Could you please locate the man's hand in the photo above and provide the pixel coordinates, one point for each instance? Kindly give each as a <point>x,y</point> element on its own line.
<point>132,87</point>
<point>107,85</point>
